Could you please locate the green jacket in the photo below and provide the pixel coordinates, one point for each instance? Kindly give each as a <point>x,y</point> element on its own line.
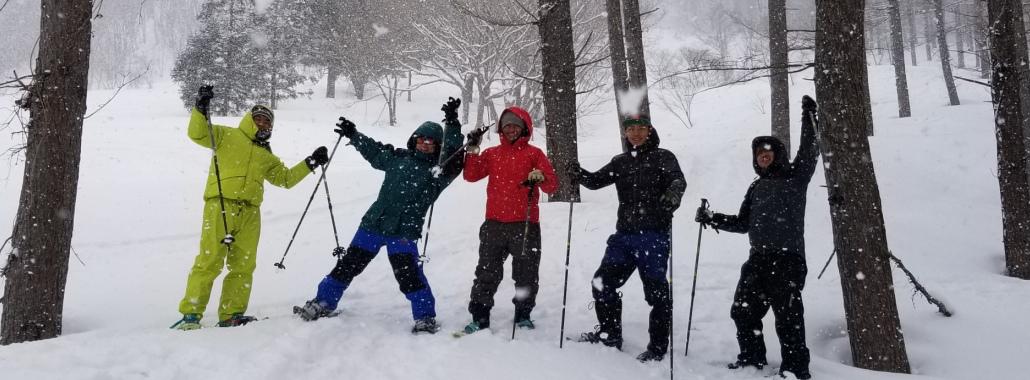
<point>411,184</point>
<point>244,165</point>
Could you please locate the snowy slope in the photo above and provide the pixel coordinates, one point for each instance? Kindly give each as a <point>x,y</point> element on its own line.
<point>139,210</point>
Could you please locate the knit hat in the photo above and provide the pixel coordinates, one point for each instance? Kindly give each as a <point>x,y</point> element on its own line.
<point>636,120</point>
<point>511,118</point>
<point>260,110</point>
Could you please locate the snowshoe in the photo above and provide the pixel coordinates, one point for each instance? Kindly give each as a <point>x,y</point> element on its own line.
<point>525,324</point>
<point>744,364</point>
<point>650,356</point>
<point>471,328</point>
<point>425,325</point>
<point>236,320</point>
<point>313,310</point>
<point>799,374</point>
<point>597,336</point>
<point>188,322</point>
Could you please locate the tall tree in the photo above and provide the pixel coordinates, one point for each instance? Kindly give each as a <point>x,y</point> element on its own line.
<point>37,271</point>
<point>1009,57</point>
<point>617,48</point>
<point>960,36</point>
<point>558,64</point>
<point>859,235</point>
<point>636,67</point>
<point>942,49</point>
<point>913,37</point>
<point>983,54</point>
<point>779,94</point>
<point>898,58</point>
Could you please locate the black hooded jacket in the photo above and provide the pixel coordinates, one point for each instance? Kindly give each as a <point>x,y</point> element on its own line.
<point>641,176</point>
<point>773,211</point>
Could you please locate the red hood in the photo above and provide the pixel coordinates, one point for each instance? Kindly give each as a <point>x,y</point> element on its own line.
<point>524,116</point>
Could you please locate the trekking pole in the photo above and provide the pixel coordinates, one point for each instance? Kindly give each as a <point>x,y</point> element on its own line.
<point>565,290</point>
<point>305,213</point>
<point>439,167</point>
<point>336,235</point>
<point>815,125</point>
<point>693,288</point>
<point>440,163</point>
<point>828,259</point>
<point>525,237</point>
<point>672,311</point>
<point>228,239</point>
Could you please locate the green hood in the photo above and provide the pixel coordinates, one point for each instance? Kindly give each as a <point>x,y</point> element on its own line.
<point>431,130</point>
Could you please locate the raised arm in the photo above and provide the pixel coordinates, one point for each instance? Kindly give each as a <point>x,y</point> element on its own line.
<point>376,153</point>
<point>808,153</point>
<point>599,179</point>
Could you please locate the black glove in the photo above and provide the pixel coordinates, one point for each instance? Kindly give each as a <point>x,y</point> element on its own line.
<point>704,216</point>
<point>346,128</point>
<point>204,95</point>
<point>318,158</point>
<point>808,104</point>
<point>671,199</point>
<point>475,137</point>
<point>450,109</point>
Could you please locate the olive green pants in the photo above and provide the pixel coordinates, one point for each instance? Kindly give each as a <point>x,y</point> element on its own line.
<point>240,259</point>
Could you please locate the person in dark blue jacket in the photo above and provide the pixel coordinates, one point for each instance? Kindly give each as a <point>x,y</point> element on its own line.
<point>773,216</point>
<point>649,184</point>
<point>411,184</point>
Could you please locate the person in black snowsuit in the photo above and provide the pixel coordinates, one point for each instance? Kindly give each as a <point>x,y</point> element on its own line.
<point>773,216</point>
<point>649,184</point>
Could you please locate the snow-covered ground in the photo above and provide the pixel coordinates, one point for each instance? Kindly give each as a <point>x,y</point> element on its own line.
<point>138,221</point>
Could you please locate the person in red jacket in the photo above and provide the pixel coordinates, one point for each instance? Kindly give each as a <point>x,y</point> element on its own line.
<point>518,172</point>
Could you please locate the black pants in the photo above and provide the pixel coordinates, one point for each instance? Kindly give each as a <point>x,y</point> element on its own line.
<point>497,241</point>
<point>771,280</point>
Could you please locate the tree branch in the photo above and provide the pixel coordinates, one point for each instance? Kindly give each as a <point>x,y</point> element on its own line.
<point>973,81</point>
<point>919,287</point>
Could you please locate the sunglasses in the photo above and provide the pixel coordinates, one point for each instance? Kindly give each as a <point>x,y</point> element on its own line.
<point>426,140</point>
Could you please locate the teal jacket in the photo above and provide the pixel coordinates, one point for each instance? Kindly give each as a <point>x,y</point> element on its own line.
<point>411,184</point>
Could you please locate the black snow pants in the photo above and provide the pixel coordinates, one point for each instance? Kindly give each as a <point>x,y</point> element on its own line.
<point>497,241</point>
<point>771,280</point>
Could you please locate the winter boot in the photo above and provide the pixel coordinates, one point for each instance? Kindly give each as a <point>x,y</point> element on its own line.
<point>742,364</point>
<point>476,326</point>
<point>312,310</point>
<point>609,317</point>
<point>425,325</point>
<point>188,322</point>
<point>650,356</point>
<point>237,319</point>
<point>523,321</point>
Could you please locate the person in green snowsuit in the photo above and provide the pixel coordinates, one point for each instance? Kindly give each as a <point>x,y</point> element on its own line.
<point>413,181</point>
<point>245,161</point>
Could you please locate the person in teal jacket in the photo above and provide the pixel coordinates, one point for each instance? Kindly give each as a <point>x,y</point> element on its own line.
<point>413,182</point>
<point>245,162</point>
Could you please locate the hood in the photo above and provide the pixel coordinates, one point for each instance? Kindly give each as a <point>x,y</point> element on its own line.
<point>248,126</point>
<point>780,163</point>
<point>652,141</point>
<point>522,115</point>
<point>431,130</point>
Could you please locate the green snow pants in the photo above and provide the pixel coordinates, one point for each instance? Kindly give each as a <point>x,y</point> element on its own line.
<point>245,225</point>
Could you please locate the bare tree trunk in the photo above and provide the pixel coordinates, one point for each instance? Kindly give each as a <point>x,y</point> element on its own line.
<point>912,35</point>
<point>942,41</point>
<point>409,86</point>
<point>983,54</point>
<point>637,68</point>
<point>37,271</point>
<point>466,97</point>
<point>359,83</point>
<point>558,64</point>
<point>858,231</point>
<point>928,34</point>
<point>1009,54</point>
<point>330,81</point>
<point>778,80</point>
<point>959,37</point>
<point>617,50</point>
<point>898,58</point>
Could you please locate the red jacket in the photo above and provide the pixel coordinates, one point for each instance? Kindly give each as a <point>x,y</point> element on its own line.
<point>508,165</point>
